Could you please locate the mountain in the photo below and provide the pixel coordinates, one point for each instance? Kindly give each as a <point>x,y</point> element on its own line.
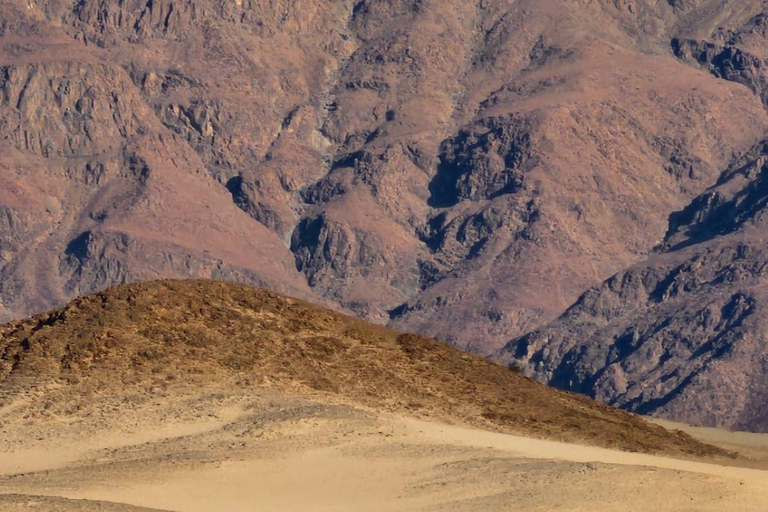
<point>472,171</point>
<point>460,169</point>
<point>135,342</point>
<point>681,335</point>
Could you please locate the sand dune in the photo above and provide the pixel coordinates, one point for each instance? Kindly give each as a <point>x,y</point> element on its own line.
<point>207,397</point>
<point>269,451</point>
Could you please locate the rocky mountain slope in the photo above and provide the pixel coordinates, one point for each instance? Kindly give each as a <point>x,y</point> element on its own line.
<point>462,169</point>
<point>681,335</point>
<point>138,341</point>
<point>465,170</point>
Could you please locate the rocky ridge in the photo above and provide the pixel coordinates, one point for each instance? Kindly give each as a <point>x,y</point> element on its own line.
<point>680,335</point>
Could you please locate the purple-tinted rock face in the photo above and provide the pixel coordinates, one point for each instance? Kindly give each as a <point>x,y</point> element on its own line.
<point>683,334</point>
<point>461,169</point>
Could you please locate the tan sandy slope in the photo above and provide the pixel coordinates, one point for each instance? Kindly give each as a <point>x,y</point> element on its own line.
<point>270,451</point>
<point>198,396</point>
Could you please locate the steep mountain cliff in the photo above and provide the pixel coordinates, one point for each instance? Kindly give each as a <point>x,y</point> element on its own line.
<point>463,169</point>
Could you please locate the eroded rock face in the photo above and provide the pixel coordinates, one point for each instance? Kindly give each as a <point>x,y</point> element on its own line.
<point>464,169</point>
<point>97,191</point>
<point>681,335</point>
<point>484,161</point>
<point>726,62</point>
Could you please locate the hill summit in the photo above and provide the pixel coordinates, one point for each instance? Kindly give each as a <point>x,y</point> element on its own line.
<point>153,336</point>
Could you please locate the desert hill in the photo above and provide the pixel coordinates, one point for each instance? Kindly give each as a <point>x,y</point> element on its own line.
<point>192,396</point>
<point>141,340</point>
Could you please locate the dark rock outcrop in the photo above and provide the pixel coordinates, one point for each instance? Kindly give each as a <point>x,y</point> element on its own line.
<point>484,161</point>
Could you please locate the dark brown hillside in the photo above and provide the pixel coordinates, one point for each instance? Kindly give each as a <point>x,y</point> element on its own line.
<point>140,338</point>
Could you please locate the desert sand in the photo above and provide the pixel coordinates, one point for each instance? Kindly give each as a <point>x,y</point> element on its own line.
<point>268,450</point>
<point>207,397</point>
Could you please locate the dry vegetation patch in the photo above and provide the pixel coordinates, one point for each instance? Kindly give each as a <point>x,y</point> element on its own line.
<point>151,338</point>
